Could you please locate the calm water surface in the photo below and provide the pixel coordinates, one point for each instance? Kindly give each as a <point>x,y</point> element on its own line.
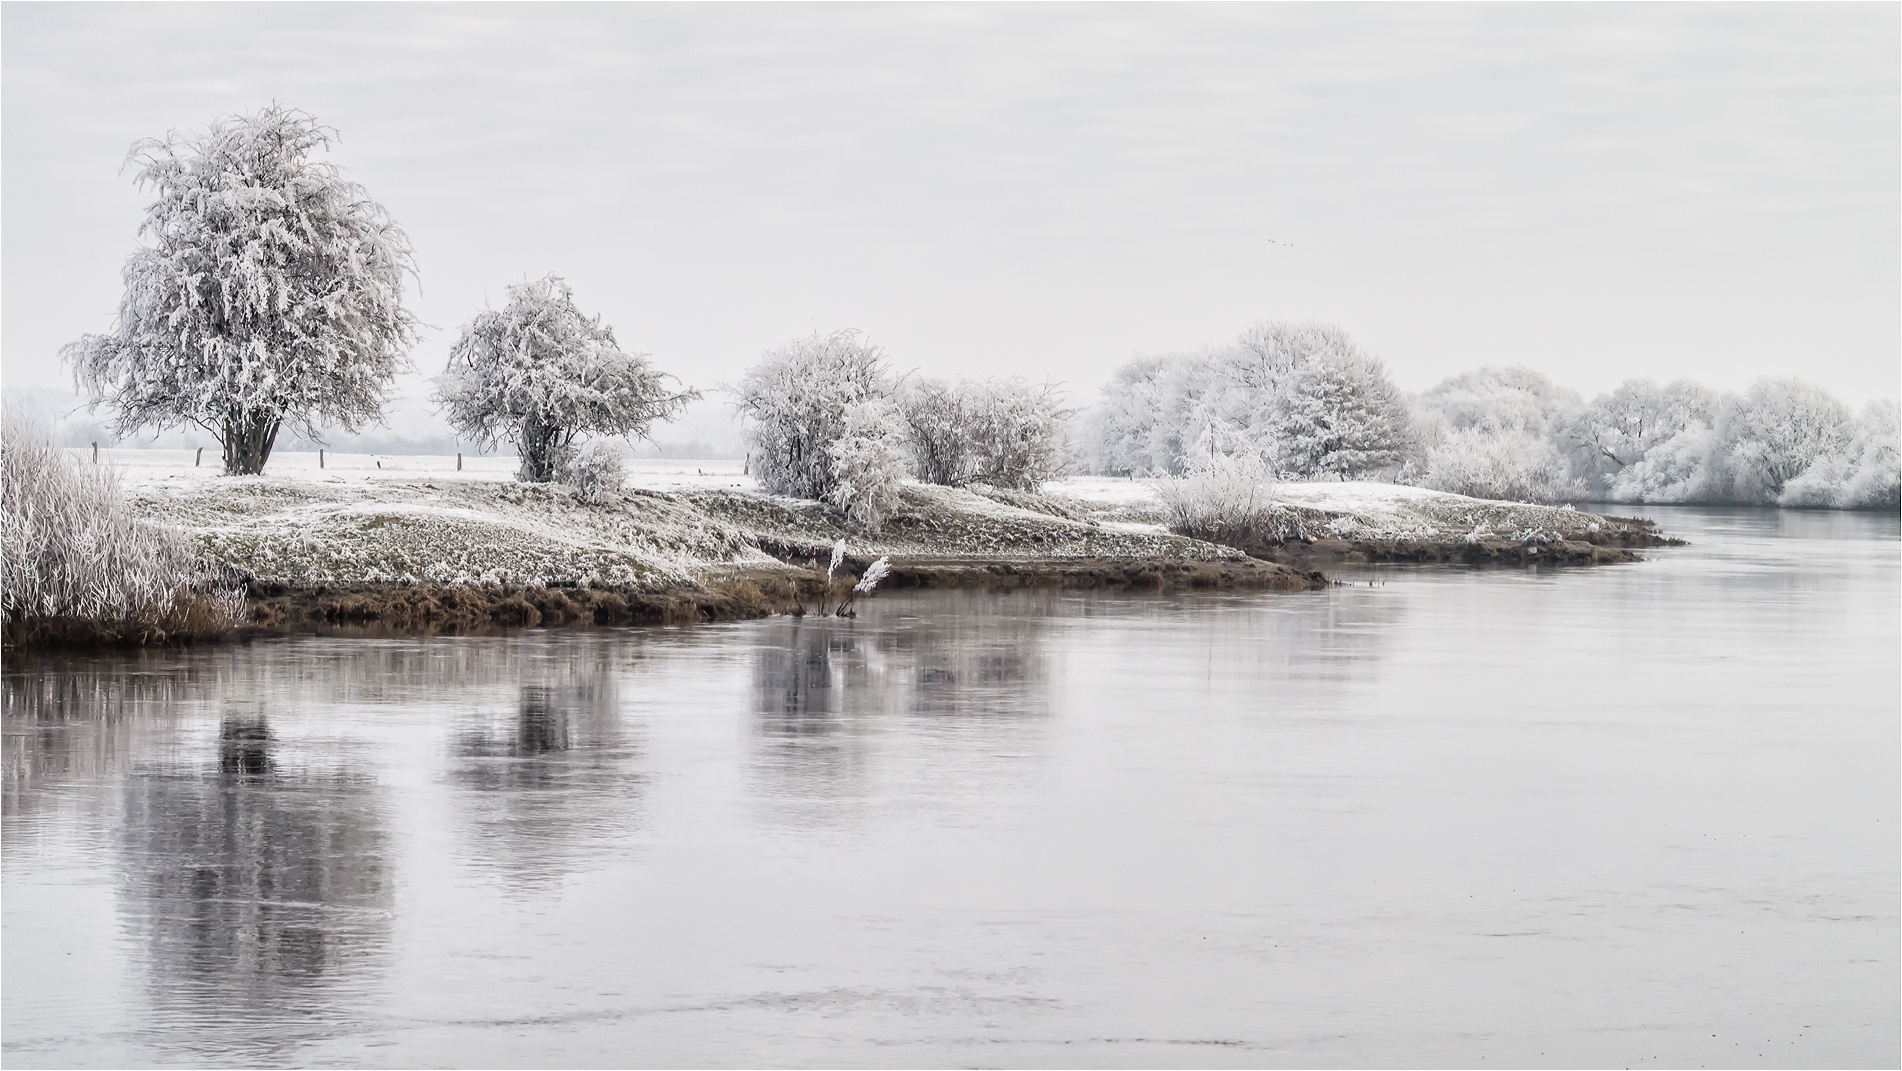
<point>1631,815</point>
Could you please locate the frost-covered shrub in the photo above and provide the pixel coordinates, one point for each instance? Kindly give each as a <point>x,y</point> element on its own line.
<point>1674,471</point>
<point>794,402</point>
<point>1867,474</point>
<point>868,464</point>
<point>540,374</point>
<point>270,292</point>
<point>1225,499</point>
<point>597,473</point>
<point>1005,433</point>
<point>78,563</point>
<point>1513,466</point>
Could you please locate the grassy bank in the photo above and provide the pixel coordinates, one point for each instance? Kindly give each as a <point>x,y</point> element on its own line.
<point>398,550</point>
<point>421,546</point>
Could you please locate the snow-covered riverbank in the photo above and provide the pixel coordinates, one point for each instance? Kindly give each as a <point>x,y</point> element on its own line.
<point>363,522</point>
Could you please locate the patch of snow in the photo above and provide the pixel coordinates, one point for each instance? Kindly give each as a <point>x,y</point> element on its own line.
<point>145,468</point>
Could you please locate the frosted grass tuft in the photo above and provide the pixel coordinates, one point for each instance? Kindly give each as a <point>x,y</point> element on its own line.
<point>80,565</point>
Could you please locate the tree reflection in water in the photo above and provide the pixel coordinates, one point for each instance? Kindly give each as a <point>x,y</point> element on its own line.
<point>839,703</point>
<point>78,718</point>
<point>252,880</point>
<point>555,782</point>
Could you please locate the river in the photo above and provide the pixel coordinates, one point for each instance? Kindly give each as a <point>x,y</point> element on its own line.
<point>1616,816</point>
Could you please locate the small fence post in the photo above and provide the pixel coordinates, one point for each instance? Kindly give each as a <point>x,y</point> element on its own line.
<point>95,453</point>
<point>199,461</point>
<point>458,461</point>
<point>320,459</point>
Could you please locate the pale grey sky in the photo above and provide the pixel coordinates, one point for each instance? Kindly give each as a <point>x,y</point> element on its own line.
<point>1596,191</point>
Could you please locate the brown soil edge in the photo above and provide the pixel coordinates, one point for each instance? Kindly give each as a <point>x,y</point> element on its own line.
<point>734,594</point>
<point>745,593</point>
<point>1585,548</point>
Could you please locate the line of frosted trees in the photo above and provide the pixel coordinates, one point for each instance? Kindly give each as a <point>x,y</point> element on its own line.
<point>268,292</point>
<point>1302,401</point>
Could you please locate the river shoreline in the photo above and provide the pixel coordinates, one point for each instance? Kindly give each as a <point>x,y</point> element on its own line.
<point>408,552</point>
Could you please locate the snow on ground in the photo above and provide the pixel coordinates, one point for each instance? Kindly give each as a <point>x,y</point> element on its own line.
<point>1112,490</point>
<point>368,518</point>
<point>1363,510</point>
<point>141,468</point>
<point>1385,510</point>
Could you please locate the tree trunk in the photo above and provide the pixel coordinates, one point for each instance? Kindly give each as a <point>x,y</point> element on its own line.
<point>541,455</point>
<point>248,441</point>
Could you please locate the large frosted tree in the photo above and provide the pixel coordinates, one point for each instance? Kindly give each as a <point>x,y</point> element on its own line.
<point>541,374</point>
<point>268,290</point>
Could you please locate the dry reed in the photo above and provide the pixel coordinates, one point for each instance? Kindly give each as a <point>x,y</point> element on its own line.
<point>80,567</point>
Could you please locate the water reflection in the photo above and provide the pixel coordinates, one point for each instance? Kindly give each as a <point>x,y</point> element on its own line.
<point>552,781</point>
<point>252,876</point>
<point>984,829</point>
<point>75,719</point>
<point>837,701</point>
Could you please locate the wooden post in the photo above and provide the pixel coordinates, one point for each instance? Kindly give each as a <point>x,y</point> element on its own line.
<point>199,461</point>
<point>458,461</point>
<point>95,453</point>
<point>320,459</point>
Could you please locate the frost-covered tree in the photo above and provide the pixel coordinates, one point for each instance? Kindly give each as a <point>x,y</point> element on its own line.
<point>1776,430</point>
<point>1017,433</point>
<point>1304,398</point>
<point>1865,475</point>
<point>795,401</point>
<point>1490,434</point>
<point>1005,433</point>
<point>1338,414</point>
<point>268,291</point>
<point>1317,402</point>
<point>1676,470</point>
<point>1497,400</point>
<point>1622,428</point>
<point>1148,418</point>
<point>541,374</point>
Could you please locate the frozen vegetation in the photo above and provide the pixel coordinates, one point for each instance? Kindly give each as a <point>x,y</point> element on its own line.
<point>542,376</point>
<point>1307,404</point>
<point>826,420</point>
<point>269,295</point>
<point>81,563</point>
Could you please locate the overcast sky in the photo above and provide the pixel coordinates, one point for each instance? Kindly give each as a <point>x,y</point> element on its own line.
<point>1597,192</point>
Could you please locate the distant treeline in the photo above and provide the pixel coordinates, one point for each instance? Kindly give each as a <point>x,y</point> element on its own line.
<point>1307,403</point>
